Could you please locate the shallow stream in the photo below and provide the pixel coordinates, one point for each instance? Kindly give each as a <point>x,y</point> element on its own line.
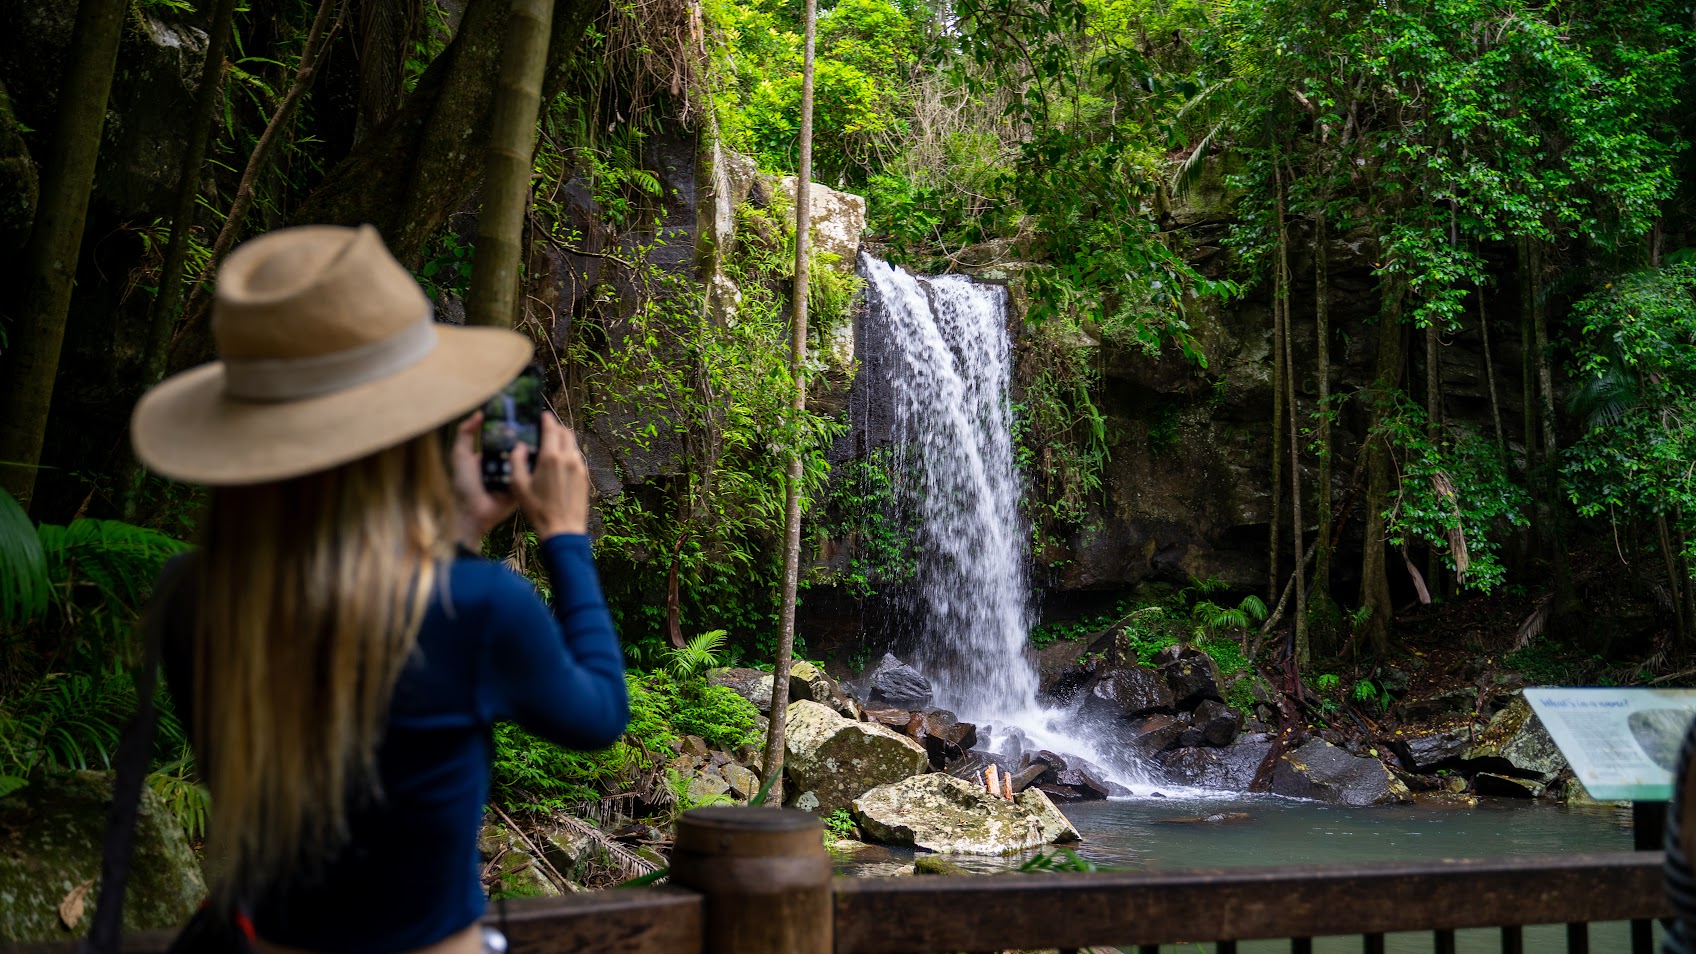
<point>1139,835</point>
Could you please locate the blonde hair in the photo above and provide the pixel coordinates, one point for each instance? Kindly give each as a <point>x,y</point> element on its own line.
<point>311,592</point>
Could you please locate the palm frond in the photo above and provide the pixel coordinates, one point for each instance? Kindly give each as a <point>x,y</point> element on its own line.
<point>698,654</point>
<point>627,863</point>
<point>120,560</point>
<point>1188,173</point>
<point>24,584</point>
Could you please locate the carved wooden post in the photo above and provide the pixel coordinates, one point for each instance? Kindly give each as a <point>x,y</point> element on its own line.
<point>765,876</point>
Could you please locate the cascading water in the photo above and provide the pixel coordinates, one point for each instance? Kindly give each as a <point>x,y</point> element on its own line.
<point>949,370</point>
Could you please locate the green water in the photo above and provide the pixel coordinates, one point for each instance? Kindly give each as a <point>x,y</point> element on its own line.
<point>1141,835</point>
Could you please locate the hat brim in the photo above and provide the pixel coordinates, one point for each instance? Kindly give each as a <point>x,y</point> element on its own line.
<point>187,429</point>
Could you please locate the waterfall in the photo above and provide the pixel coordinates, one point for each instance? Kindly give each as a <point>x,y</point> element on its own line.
<point>954,467</point>
<point>948,368</point>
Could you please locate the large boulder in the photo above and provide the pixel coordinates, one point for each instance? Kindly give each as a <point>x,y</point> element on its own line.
<point>949,815</point>
<point>807,681</point>
<point>1323,772</point>
<point>836,759</point>
<point>751,684</point>
<point>838,219</point>
<point>1130,692</point>
<point>1193,676</point>
<point>1228,769</point>
<point>896,685</point>
<point>1154,734</point>
<point>1517,738</point>
<point>1213,723</point>
<point>51,833</point>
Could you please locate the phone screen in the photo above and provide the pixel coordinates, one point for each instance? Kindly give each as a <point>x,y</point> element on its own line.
<point>512,417</point>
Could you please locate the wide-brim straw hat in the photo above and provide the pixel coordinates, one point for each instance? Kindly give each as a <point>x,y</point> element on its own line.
<point>327,353</point>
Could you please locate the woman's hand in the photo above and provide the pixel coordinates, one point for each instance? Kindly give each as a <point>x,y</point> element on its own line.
<point>552,488</point>
<point>479,510</point>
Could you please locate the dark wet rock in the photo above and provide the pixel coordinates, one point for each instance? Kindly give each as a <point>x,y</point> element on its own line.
<point>1128,693</point>
<point>1323,772</point>
<point>943,735</point>
<point>1452,703</point>
<point>1156,733</point>
<point>1216,723</point>
<point>894,684</point>
<point>51,834</point>
<point>1231,768</point>
<point>1431,749</point>
<point>1081,782</point>
<point>1217,818</point>
<point>894,718</point>
<point>1173,653</point>
<point>1502,786</point>
<point>1193,678</point>
<point>1063,668</point>
<point>1027,776</point>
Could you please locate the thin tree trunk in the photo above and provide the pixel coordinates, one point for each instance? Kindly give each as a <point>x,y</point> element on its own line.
<point>1374,576</point>
<point>1527,372</point>
<point>1490,378</point>
<point>50,261</point>
<point>1565,598</point>
<point>493,298</point>
<point>773,767</point>
<point>1675,585</point>
<point>1277,503</point>
<point>1322,433</point>
<point>1433,433</point>
<point>318,37</point>
<point>1303,649</point>
<point>169,302</point>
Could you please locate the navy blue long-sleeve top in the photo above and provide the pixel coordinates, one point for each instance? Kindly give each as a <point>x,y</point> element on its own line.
<point>488,650</point>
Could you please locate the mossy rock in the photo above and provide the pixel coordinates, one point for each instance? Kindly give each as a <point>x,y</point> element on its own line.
<point>50,839</point>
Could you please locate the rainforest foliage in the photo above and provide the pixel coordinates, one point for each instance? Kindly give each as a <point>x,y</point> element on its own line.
<point>1508,174</point>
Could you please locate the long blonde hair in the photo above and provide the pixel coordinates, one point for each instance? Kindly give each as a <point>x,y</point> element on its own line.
<point>311,592</point>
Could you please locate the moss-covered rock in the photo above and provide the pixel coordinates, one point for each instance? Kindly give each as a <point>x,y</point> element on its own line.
<point>836,759</point>
<point>948,815</point>
<point>51,834</point>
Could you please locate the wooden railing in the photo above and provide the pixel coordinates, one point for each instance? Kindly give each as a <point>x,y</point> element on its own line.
<point>757,881</point>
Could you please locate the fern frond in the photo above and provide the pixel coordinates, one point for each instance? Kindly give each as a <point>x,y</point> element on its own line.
<point>24,584</point>
<point>120,560</point>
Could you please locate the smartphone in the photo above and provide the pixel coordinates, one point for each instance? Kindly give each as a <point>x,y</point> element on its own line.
<point>512,417</point>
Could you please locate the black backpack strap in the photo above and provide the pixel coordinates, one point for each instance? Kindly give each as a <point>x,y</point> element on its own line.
<point>135,750</point>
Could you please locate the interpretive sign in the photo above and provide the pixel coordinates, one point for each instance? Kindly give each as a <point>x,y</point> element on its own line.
<point>1621,743</point>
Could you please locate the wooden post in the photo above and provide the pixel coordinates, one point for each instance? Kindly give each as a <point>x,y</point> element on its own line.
<point>764,875</point>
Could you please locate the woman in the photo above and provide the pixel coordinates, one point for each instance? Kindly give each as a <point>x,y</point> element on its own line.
<point>338,665</point>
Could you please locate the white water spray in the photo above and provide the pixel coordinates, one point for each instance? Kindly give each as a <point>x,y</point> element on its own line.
<point>950,371</point>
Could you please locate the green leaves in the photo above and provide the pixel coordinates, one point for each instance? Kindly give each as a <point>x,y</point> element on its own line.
<point>24,585</point>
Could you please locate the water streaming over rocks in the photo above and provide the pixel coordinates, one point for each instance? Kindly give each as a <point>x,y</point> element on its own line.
<point>949,367</point>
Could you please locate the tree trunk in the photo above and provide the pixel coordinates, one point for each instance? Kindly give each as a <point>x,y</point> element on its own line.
<point>1303,650</point>
<point>773,767</point>
<point>169,302</point>
<point>1322,434</point>
<point>1277,502</point>
<point>1374,576</point>
<point>1490,378</point>
<point>1551,485</point>
<point>493,299</point>
<point>1675,585</point>
<point>1434,434</point>
<point>406,177</point>
<point>50,262</point>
